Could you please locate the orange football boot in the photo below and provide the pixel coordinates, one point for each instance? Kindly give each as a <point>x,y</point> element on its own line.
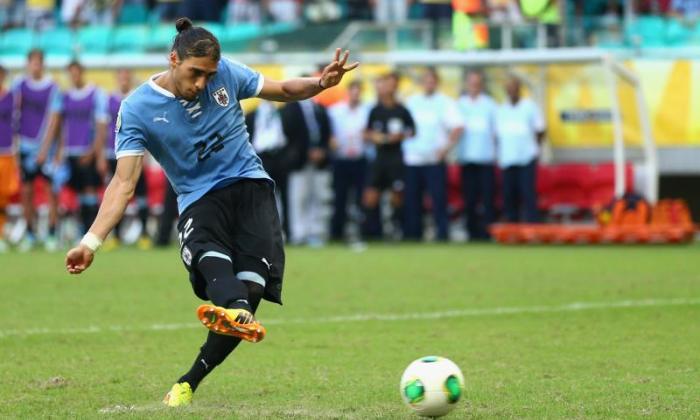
<point>234,322</point>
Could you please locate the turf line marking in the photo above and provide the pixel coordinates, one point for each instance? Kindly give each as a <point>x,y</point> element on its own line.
<point>454,313</point>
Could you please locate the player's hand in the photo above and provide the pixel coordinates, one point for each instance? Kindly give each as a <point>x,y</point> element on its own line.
<point>79,259</point>
<point>334,72</point>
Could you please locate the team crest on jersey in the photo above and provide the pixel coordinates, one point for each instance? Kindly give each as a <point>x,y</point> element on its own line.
<point>221,97</point>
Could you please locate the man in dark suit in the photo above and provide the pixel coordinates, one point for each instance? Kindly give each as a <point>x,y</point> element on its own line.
<point>307,129</point>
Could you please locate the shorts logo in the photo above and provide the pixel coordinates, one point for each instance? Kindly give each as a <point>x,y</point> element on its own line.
<point>221,97</point>
<point>187,256</point>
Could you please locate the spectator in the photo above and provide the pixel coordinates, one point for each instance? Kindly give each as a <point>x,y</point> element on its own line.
<point>40,14</point>
<point>388,125</point>
<point>359,10</point>
<point>438,127</point>
<point>685,9</point>
<point>520,130</point>
<point>244,11</point>
<point>36,129</point>
<point>348,123</point>
<point>107,163</point>
<point>169,10</point>
<point>390,11</point>
<point>203,10</point>
<point>84,116</point>
<point>283,10</point>
<point>546,12</point>
<point>469,31</point>
<point>9,181</point>
<point>307,129</point>
<point>476,154</point>
<point>12,13</point>
<point>504,11</point>
<point>437,10</point>
<point>318,11</point>
<point>270,143</point>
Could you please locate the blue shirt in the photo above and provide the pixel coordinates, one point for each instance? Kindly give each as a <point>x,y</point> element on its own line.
<point>478,143</point>
<point>517,128</point>
<point>202,145</point>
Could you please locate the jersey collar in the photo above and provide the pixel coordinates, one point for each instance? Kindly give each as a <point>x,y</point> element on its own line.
<point>152,83</point>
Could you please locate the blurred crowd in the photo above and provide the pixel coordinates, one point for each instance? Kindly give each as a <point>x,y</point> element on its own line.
<point>345,169</point>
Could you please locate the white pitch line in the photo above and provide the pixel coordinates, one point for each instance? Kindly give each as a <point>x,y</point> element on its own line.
<point>453,313</point>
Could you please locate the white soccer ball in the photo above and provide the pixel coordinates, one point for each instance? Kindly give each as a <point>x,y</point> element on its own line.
<point>432,386</point>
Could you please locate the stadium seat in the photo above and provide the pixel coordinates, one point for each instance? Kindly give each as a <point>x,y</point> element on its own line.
<point>237,37</point>
<point>57,41</point>
<point>16,41</point>
<point>161,37</point>
<point>677,33</point>
<point>129,39</point>
<point>94,39</point>
<point>216,29</point>
<point>646,31</point>
<point>569,191</point>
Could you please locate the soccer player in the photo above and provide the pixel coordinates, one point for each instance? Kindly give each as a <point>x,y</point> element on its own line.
<point>107,162</point>
<point>82,110</point>
<point>388,125</point>
<point>34,93</point>
<point>9,182</point>
<point>189,118</point>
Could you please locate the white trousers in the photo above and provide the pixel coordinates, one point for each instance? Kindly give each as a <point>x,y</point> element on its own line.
<point>309,195</point>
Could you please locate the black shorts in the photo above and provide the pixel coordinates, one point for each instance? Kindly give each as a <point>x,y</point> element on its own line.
<point>141,188</point>
<point>29,170</point>
<point>386,173</point>
<point>82,176</point>
<point>241,222</point>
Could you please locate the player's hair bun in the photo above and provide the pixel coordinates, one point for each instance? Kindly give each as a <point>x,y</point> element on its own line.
<point>183,24</point>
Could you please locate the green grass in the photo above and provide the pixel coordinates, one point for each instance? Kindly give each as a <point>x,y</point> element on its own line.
<point>620,362</point>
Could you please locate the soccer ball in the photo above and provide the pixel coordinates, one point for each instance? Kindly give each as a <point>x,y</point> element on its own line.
<point>432,386</point>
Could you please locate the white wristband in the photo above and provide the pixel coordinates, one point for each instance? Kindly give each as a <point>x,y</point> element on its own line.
<point>91,241</point>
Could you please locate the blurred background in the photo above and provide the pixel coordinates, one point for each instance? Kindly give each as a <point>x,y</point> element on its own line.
<point>464,114</point>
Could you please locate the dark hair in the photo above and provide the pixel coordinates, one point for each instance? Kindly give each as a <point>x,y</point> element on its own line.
<point>432,71</point>
<point>392,75</point>
<point>74,63</point>
<point>3,70</point>
<point>35,52</point>
<point>194,41</point>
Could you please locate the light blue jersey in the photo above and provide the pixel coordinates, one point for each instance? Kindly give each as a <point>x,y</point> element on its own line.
<point>202,145</point>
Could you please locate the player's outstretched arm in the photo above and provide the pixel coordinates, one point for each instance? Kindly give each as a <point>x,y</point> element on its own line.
<point>305,87</point>
<point>117,196</point>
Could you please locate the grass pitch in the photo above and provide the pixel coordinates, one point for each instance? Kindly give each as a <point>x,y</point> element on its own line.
<point>539,332</point>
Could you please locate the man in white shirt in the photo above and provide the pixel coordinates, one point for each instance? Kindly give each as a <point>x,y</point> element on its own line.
<point>348,122</point>
<point>438,127</point>
<point>476,154</point>
<point>520,130</point>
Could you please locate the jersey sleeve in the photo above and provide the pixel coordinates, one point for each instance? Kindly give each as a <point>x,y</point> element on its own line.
<point>101,107</point>
<point>130,138</point>
<point>247,82</point>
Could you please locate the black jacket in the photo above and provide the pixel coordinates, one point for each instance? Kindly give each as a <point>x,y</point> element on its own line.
<point>294,126</point>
